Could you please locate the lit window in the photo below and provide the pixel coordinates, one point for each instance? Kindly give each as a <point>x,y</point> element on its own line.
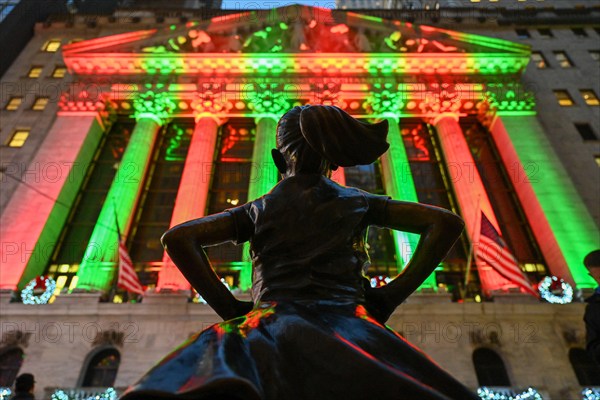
<point>563,97</point>
<point>595,54</point>
<point>579,32</point>
<point>14,103</point>
<point>563,59</point>
<point>522,33</point>
<point>35,72</point>
<point>51,46</point>
<point>590,97</point>
<point>539,60</point>
<point>59,72</point>
<point>586,132</point>
<point>40,104</point>
<point>546,33</point>
<point>597,158</point>
<point>18,138</point>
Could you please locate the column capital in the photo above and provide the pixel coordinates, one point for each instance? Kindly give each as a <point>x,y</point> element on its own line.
<point>209,103</point>
<point>260,117</point>
<point>385,100</point>
<point>269,99</point>
<point>156,106</point>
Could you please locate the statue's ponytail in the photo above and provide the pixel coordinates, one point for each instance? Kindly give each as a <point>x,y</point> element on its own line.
<point>340,138</point>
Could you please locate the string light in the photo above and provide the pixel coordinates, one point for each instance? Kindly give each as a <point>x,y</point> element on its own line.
<point>489,394</point>
<point>109,394</point>
<point>590,394</point>
<point>5,393</point>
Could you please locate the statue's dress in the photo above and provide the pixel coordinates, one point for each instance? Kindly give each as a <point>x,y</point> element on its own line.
<point>309,335</point>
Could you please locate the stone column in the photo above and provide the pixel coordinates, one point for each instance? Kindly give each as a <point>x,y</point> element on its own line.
<point>559,219</point>
<point>192,195</point>
<point>98,266</point>
<point>32,220</point>
<point>399,184</point>
<point>468,187</point>
<point>263,176</point>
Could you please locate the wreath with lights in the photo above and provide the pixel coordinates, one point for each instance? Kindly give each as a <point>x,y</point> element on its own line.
<point>47,284</point>
<point>551,285</point>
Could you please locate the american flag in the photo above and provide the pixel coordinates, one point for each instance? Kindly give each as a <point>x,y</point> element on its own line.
<point>127,278</point>
<point>493,251</point>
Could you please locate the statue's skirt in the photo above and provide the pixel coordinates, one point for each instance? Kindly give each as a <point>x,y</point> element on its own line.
<point>298,350</point>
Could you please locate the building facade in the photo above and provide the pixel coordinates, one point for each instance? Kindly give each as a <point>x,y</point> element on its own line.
<point>126,126</point>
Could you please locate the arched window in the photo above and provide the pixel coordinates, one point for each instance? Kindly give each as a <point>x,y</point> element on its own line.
<point>490,368</point>
<point>586,369</point>
<point>10,364</point>
<point>101,370</point>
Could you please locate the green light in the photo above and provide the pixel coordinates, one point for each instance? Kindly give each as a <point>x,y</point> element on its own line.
<point>570,221</point>
<point>98,266</point>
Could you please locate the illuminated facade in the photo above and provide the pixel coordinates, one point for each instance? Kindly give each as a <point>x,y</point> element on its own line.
<point>151,127</point>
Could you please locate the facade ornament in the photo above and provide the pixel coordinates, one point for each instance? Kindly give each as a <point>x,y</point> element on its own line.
<point>210,102</point>
<point>509,96</point>
<point>154,103</point>
<point>384,100</point>
<point>327,94</point>
<point>269,99</point>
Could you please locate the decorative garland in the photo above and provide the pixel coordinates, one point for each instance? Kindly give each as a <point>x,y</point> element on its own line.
<point>551,282</point>
<point>5,393</point>
<point>590,394</point>
<point>28,296</point>
<point>489,394</point>
<point>109,394</point>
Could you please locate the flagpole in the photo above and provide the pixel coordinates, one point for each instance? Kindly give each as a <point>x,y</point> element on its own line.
<point>472,242</point>
<point>113,289</point>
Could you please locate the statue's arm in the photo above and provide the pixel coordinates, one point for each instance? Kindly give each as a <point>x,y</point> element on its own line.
<point>184,244</point>
<point>438,229</point>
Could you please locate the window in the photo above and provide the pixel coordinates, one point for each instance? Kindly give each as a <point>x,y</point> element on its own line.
<point>563,97</point>
<point>13,103</point>
<point>522,33</point>
<point>18,138</point>
<point>51,46</point>
<point>563,59</point>
<point>545,33</point>
<point>590,97</point>
<point>489,368</point>
<point>586,369</point>
<point>59,72</point>
<point>10,364</point>
<point>101,370</point>
<point>40,104</point>
<point>595,54</point>
<point>579,32</point>
<point>539,60</point>
<point>35,72</point>
<point>597,158</point>
<point>585,131</point>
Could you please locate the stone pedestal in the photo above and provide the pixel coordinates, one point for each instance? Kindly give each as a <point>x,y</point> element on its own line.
<point>5,296</point>
<point>513,297</point>
<point>429,296</point>
<point>166,297</point>
<point>78,298</point>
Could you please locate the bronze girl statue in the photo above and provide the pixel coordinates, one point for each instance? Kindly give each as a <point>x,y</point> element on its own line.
<point>315,329</point>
